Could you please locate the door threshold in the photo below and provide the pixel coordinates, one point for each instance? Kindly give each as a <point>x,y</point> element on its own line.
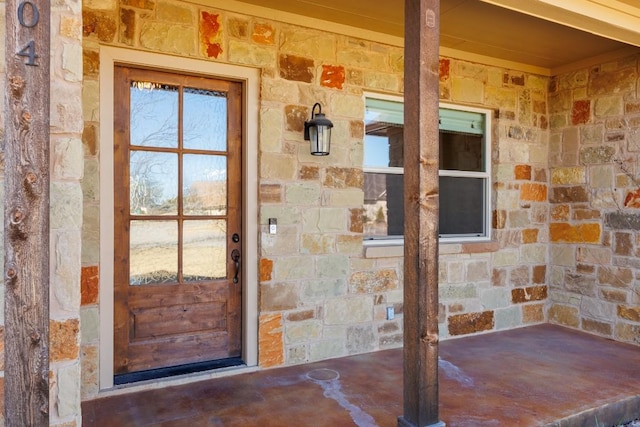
<point>172,371</point>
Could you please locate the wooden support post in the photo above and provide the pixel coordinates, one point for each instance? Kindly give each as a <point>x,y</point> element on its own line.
<point>26,212</point>
<point>422,27</point>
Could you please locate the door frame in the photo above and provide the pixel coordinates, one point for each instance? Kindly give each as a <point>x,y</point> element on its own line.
<point>249,77</point>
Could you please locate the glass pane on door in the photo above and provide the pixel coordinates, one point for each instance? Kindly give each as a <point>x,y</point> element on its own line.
<point>204,250</point>
<point>154,115</point>
<point>205,120</point>
<point>153,252</point>
<point>204,184</point>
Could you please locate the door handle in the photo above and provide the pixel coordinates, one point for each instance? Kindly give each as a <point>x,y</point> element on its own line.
<point>235,256</point>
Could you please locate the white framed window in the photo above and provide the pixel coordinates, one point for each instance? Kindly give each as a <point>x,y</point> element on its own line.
<point>465,172</point>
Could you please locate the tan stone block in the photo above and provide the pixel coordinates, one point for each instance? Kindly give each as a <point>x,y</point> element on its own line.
<point>350,244</point>
<point>270,341</point>
<point>166,37</point>
<point>614,295</point>
<point>568,175</point>
<point>270,193</point>
<point>299,41</point>
<point>623,244</point>
<point>583,214</point>
<point>241,52</point>
<point>499,97</point>
<point>564,315</point>
<point>279,297</point>
<point>373,281</point>
<point>89,373</point>
<point>467,90</point>
<point>533,313</point>
<point>63,339</point>
<point>469,323</point>
<point>238,28</point>
<point>89,282</point>
<point>139,4</point>
<point>277,166</point>
<point>534,192</point>
<point>301,316</point>
<point>618,277</point>
<point>581,233</point>
<point>356,220</point>
<point>594,255</point>
<point>1,356</point>
<point>382,81</point>
<point>631,313</point>
<point>597,327</point>
<point>317,243</point>
<point>627,332</point>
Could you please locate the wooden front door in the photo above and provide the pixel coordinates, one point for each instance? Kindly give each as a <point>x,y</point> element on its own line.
<point>178,245</point>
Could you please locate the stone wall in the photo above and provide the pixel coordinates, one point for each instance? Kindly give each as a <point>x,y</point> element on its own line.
<point>320,296</point>
<point>66,212</point>
<point>594,233</point>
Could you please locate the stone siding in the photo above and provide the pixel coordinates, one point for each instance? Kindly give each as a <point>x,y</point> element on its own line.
<point>594,233</point>
<point>320,296</point>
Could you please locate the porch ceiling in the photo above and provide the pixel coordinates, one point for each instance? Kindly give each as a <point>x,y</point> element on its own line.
<point>506,32</point>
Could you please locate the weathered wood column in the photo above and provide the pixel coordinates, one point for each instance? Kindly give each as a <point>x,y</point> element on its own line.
<point>422,27</point>
<point>26,213</point>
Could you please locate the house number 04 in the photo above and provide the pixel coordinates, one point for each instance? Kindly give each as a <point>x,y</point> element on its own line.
<point>28,21</point>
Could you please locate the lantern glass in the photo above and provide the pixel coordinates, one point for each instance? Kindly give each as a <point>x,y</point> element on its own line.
<point>320,140</point>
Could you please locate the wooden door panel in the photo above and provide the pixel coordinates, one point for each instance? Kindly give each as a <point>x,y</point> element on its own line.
<point>174,304</point>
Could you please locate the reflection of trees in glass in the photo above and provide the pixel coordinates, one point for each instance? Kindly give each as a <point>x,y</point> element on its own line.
<point>153,186</point>
<point>154,115</point>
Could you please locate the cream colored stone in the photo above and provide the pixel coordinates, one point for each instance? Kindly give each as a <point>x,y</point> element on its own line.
<point>362,59</point>
<point>607,106</point>
<point>344,197</point>
<point>65,280</point>
<point>277,166</point>
<point>564,255</point>
<point>534,254</point>
<point>601,176</point>
<point>341,311</point>
<point>284,242</point>
<point>287,268</point>
<point>303,194</point>
<point>66,113</point>
<point>175,13</point>
<point>500,97</point>
<point>67,158</point>
<point>271,122</point>
<point>506,257</point>
<point>298,332</point>
<point>91,100</point>
<point>347,106</point>
<point>324,220</point>
<point>171,38</point>
<point>467,90</point>
<point>382,81</point>
<point>68,386</point>
<point>283,91</point>
<point>72,62</point>
<point>308,43</point>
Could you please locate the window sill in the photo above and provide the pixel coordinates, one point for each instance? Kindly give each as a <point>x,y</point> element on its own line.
<point>396,249</point>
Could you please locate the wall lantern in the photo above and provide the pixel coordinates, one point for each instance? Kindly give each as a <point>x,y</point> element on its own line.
<point>318,131</point>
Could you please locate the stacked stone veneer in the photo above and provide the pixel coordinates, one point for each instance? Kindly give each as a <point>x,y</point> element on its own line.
<point>595,188</point>
<point>320,295</point>
<point>66,213</point>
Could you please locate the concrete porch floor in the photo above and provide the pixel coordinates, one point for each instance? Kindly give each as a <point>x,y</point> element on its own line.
<point>542,375</point>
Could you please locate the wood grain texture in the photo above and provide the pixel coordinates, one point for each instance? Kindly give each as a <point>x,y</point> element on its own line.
<point>421,213</point>
<point>26,239</point>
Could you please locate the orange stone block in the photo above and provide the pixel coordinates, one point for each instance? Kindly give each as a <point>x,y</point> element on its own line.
<point>270,342</point>
<point>523,172</point>
<point>210,34</point>
<point>629,313</point>
<point>533,192</point>
<point>332,76</point>
<point>266,269</point>
<point>63,339</point>
<point>444,71</point>
<point>89,285</point>
<point>530,235</point>
<point>469,323</point>
<point>263,34</point>
<point>581,233</point>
